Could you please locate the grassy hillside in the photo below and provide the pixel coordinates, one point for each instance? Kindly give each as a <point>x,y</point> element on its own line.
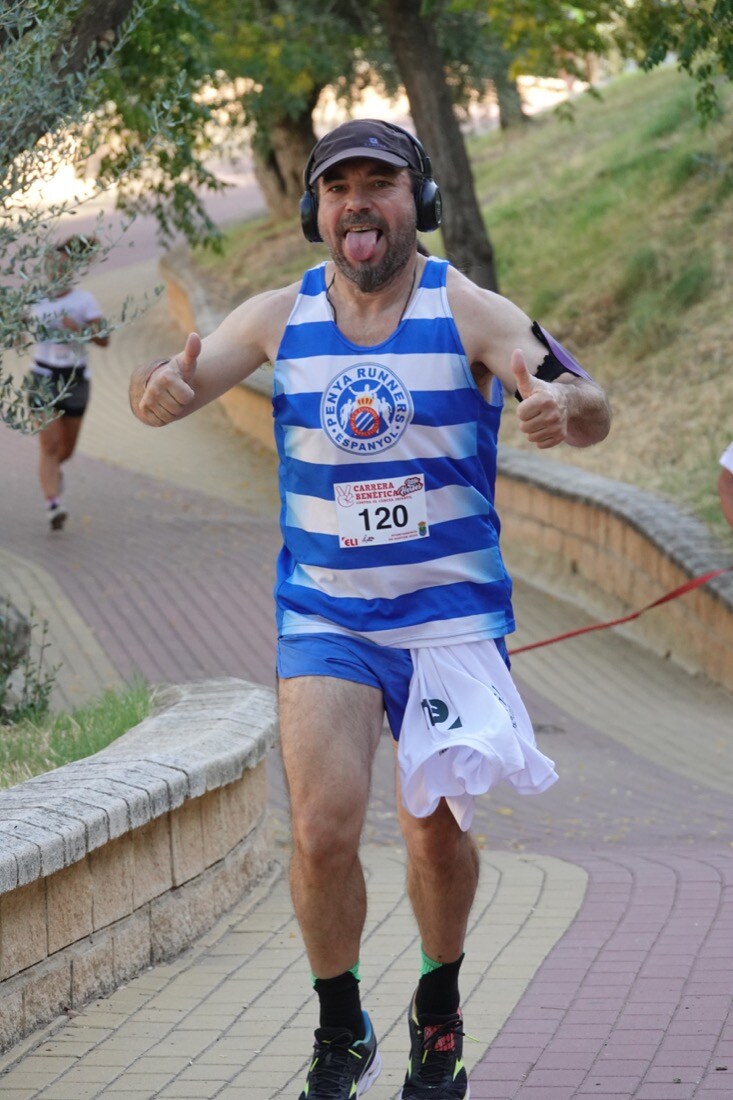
<point>615,231</point>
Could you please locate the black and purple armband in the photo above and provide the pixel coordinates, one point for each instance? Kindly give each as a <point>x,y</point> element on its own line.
<point>557,361</point>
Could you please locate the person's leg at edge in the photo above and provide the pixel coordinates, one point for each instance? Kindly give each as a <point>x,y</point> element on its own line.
<point>442,878</point>
<point>70,428</point>
<point>329,731</point>
<point>49,459</point>
<point>57,444</point>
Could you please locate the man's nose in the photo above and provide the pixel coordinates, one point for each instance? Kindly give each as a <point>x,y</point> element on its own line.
<point>358,197</point>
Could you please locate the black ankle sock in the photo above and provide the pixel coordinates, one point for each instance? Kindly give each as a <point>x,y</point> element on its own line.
<point>437,992</point>
<point>340,1003</point>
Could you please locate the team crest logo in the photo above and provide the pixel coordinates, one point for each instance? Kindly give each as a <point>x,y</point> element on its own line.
<point>365,409</point>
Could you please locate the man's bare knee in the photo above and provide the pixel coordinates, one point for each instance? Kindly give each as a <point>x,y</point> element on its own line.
<point>326,840</point>
<point>437,840</point>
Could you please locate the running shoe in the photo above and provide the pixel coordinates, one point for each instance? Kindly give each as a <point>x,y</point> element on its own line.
<point>56,516</point>
<point>342,1068</point>
<point>435,1069</point>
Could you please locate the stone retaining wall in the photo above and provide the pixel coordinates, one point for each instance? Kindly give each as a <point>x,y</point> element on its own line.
<point>613,549</point>
<point>123,859</point>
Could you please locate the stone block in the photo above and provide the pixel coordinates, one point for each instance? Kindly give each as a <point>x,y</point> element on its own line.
<point>112,874</point>
<point>152,872</point>
<point>8,865</point>
<point>540,505</point>
<point>23,931</point>
<point>131,945</point>
<point>578,517</point>
<point>69,902</point>
<point>615,528</point>
<point>178,918</point>
<point>37,851</point>
<point>187,841</point>
<point>47,992</point>
<point>215,834</point>
<point>92,970</point>
<point>243,804</point>
<point>242,867</point>
<point>12,1019</point>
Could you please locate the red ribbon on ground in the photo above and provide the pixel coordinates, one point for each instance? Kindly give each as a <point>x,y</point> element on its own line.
<point>696,582</point>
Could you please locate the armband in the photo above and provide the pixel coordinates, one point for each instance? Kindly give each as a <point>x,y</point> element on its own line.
<point>557,361</point>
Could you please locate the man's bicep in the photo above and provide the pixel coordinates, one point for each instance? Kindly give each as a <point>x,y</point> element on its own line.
<point>228,355</point>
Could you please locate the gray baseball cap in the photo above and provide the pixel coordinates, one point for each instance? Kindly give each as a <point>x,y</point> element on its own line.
<point>368,138</point>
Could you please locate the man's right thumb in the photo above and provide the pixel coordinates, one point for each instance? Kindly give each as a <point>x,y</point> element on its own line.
<point>188,360</point>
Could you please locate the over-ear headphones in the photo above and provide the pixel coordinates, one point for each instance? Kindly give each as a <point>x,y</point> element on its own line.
<point>428,201</point>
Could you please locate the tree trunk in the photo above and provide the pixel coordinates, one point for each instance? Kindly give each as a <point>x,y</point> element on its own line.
<point>279,171</point>
<point>86,39</point>
<point>415,47</point>
<point>511,111</point>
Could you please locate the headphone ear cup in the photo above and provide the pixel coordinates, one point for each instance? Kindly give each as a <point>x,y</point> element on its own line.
<point>309,216</point>
<point>429,206</point>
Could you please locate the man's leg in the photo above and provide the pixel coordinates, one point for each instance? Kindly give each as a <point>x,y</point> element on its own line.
<point>442,877</point>
<point>329,732</point>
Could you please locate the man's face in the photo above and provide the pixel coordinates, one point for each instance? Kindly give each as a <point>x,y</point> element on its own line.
<point>367,217</point>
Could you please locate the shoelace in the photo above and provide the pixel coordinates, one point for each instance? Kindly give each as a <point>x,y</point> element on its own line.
<point>328,1066</point>
<point>441,1061</point>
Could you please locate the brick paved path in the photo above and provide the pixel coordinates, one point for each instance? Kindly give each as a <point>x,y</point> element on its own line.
<point>600,961</point>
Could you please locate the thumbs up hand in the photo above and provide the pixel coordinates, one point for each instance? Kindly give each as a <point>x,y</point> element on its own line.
<point>543,410</point>
<point>188,360</point>
<point>168,387</point>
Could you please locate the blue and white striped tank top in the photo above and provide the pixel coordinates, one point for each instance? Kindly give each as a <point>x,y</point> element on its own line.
<point>387,470</point>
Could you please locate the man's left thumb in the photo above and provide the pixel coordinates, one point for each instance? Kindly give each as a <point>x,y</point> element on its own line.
<point>525,385</point>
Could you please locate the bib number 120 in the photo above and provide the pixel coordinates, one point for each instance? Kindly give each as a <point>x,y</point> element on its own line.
<point>385,517</point>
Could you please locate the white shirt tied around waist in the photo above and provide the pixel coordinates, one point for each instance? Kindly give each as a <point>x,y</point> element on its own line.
<point>465,730</point>
<point>726,459</point>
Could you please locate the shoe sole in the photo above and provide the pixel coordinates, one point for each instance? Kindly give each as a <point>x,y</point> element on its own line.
<point>58,521</point>
<point>370,1076</point>
<point>466,1095</point>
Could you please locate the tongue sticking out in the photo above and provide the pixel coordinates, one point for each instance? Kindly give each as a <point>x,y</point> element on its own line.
<point>359,246</point>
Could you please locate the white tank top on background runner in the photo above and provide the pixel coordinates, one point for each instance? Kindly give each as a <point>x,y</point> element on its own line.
<point>59,348</point>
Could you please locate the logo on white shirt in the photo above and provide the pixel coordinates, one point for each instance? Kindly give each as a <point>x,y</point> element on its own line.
<point>365,409</point>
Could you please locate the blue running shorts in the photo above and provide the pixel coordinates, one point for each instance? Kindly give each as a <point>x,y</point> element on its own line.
<point>348,658</point>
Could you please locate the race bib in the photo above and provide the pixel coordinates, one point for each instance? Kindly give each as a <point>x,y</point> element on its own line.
<point>370,513</point>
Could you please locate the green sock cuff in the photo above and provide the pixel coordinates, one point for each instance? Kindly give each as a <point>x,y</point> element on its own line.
<point>427,965</point>
<point>352,970</point>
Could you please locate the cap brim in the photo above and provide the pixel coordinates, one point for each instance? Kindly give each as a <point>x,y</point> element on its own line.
<point>358,153</point>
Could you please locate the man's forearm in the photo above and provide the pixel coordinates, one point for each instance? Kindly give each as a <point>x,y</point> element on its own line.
<point>589,414</point>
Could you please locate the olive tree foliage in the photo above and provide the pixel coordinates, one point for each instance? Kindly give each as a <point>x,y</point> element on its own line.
<point>286,53</point>
<point>111,80</point>
<point>546,35</point>
<point>698,33</point>
<point>282,55</point>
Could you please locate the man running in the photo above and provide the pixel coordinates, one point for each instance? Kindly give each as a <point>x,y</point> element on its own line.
<point>391,594</point>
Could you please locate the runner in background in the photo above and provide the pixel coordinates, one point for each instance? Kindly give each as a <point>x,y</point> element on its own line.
<point>63,324</point>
